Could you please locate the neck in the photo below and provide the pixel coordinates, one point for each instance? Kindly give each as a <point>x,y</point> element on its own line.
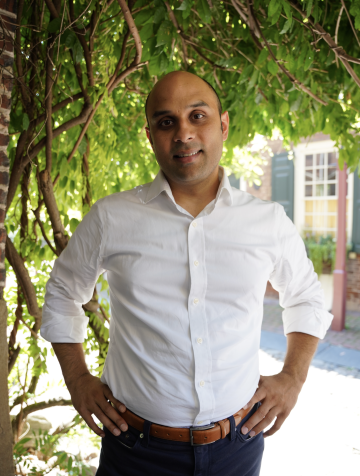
<point>194,196</point>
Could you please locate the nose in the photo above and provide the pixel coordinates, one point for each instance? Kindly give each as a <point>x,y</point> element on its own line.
<point>184,132</point>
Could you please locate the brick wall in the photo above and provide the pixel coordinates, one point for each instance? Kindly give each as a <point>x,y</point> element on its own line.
<point>7,32</point>
<point>353,284</point>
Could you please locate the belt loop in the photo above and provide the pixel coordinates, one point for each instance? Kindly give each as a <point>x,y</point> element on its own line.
<point>146,430</point>
<point>232,428</point>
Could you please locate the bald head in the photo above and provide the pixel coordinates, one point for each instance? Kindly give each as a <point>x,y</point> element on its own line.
<point>181,78</point>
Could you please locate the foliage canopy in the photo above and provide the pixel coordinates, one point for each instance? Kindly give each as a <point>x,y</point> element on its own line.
<point>83,70</point>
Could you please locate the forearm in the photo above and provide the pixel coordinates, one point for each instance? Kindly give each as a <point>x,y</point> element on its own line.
<point>72,361</point>
<point>301,349</point>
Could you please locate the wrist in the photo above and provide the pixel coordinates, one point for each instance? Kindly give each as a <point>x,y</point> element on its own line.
<point>73,381</point>
<point>298,377</point>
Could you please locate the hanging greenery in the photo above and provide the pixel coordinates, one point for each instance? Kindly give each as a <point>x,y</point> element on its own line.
<point>83,69</point>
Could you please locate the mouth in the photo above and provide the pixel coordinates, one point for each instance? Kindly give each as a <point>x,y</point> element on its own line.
<point>186,157</point>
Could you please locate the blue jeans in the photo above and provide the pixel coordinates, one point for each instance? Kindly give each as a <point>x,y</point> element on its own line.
<point>132,455</point>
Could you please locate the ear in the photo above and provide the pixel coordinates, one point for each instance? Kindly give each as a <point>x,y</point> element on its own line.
<point>225,125</point>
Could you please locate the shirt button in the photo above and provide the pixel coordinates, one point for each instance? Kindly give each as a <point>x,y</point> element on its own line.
<point>196,301</point>
<point>196,263</point>
<point>199,422</point>
<point>194,224</point>
<point>202,383</point>
<point>199,341</point>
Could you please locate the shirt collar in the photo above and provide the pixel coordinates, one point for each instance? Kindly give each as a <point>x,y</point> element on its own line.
<point>160,184</point>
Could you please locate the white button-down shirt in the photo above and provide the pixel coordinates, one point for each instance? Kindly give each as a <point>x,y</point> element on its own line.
<point>186,296</point>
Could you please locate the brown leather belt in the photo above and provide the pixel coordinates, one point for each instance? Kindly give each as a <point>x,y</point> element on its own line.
<point>196,435</point>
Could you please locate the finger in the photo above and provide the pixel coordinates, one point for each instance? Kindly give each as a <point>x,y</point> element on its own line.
<point>117,404</point>
<point>276,426</point>
<point>266,421</point>
<point>105,420</point>
<point>256,418</point>
<point>87,416</point>
<point>259,395</point>
<point>112,414</point>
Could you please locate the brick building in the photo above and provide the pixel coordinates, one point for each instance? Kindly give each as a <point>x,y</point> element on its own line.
<point>305,183</point>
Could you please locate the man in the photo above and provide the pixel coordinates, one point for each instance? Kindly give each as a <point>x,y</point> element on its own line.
<point>187,260</point>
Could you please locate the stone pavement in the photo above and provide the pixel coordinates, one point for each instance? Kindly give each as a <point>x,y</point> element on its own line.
<point>349,337</point>
<point>321,435</point>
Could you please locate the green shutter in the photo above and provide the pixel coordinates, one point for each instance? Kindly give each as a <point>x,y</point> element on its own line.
<point>282,182</point>
<point>356,214</point>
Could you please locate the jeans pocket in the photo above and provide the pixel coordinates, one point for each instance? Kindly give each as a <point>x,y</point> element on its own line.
<point>245,438</point>
<point>129,439</point>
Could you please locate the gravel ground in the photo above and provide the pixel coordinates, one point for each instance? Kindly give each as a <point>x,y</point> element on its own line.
<point>321,437</point>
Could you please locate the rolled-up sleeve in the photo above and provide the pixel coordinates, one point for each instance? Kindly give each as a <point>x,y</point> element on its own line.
<point>72,282</point>
<point>300,292</point>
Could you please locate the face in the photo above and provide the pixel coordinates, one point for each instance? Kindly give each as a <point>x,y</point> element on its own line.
<point>186,131</point>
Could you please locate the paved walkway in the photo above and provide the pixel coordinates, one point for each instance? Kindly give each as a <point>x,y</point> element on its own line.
<point>349,337</point>
<point>337,348</point>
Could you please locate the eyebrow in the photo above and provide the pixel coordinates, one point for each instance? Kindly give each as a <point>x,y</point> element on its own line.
<point>190,106</point>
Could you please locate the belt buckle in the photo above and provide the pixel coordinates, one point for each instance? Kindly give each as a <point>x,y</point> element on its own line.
<point>199,428</point>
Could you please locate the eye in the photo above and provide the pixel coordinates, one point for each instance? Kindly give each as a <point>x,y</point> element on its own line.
<point>198,115</point>
<point>166,122</point>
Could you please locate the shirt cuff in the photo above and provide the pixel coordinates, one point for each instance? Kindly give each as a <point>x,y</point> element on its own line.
<point>307,319</point>
<point>63,329</point>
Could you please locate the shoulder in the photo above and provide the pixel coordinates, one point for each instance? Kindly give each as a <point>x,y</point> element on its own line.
<point>254,204</point>
<point>134,195</point>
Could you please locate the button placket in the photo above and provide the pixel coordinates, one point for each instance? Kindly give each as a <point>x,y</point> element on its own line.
<point>197,319</point>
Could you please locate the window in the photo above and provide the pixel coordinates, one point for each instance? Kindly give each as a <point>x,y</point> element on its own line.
<point>320,193</point>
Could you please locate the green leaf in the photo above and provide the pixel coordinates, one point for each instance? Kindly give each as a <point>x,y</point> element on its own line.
<point>253,79</point>
<point>262,56</point>
<point>54,25</point>
<point>281,52</point>
<point>204,11</point>
<point>186,8</point>
<point>149,49</point>
<point>147,31</point>
<point>64,167</point>
<point>276,16</point>
<point>143,17</point>
<point>159,14</point>
<point>287,9</point>
<point>82,146</point>
<point>246,73</point>
<point>272,67</point>
<point>309,59</point>
<point>309,8</point>
<point>25,122</point>
<point>291,63</point>
<point>286,27</point>
<point>273,7</point>
<point>69,464</point>
<point>63,182</point>
<point>284,108</point>
<point>164,36</point>
<point>296,104</point>
<point>164,63</point>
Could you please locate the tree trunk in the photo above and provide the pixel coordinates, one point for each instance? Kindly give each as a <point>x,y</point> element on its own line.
<point>7,28</point>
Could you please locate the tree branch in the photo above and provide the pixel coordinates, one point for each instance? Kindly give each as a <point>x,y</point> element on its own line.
<point>57,107</point>
<point>351,23</point>
<point>338,50</point>
<point>35,407</point>
<point>284,70</point>
<point>37,216</point>
<point>47,189</point>
<point>24,280</point>
<point>133,30</point>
